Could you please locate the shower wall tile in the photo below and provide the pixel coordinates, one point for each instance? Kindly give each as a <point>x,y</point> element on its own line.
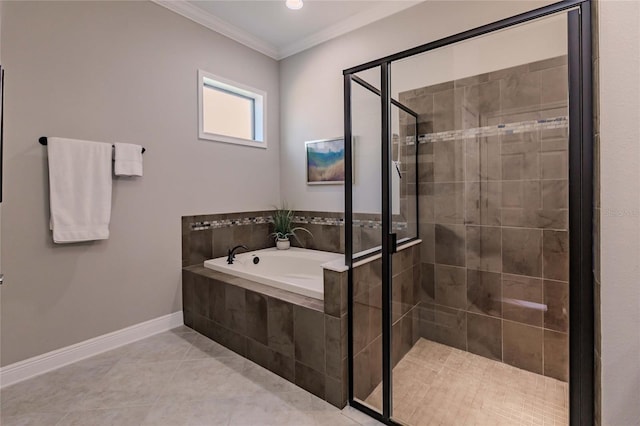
<point>520,156</point>
<point>484,336</point>
<point>523,346</point>
<point>427,288</point>
<point>510,236</point>
<point>555,194</point>
<point>482,203</point>
<point>484,248</point>
<point>484,293</point>
<point>522,251</point>
<point>448,161</point>
<point>483,98</point>
<point>520,90</point>
<point>554,159</point>
<point>446,110</point>
<point>522,194</point>
<point>451,286</point>
<point>444,325</point>
<point>483,159</point>
<point>426,166</point>
<point>426,202</point>
<point>556,355</point>
<point>555,248</point>
<point>554,84</point>
<point>450,244</point>
<point>556,298</point>
<point>402,299</point>
<point>522,299</point>
<point>449,202</point>
<point>427,235</point>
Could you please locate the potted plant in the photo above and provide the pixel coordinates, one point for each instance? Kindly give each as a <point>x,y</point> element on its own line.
<point>283,228</point>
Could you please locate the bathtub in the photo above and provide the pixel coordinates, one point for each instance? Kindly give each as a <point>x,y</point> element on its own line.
<point>297,270</point>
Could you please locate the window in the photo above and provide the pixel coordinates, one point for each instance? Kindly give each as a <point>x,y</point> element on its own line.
<point>230,112</point>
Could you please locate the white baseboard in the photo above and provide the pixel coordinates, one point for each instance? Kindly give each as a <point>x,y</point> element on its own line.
<point>40,364</point>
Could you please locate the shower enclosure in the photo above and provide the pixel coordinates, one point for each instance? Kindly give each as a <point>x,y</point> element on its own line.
<point>468,226</point>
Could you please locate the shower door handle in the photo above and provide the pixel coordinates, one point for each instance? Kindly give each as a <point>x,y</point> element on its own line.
<point>393,242</point>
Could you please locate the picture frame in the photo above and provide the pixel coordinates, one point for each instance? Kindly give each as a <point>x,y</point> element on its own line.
<point>325,162</point>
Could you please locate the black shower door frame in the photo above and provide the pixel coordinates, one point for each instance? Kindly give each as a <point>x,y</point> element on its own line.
<point>581,326</point>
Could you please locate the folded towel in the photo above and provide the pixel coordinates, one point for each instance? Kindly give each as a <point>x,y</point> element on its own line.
<point>79,189</point>
<point>128,159</point>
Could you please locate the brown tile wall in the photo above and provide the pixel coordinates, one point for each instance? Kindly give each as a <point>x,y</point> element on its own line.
<point>200,245</point>
<point>494,218</point>
<point>301,339</point>
<point>367,316</point>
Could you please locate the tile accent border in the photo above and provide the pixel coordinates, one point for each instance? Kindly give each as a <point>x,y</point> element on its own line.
<point>315,220</point>
<point>495,130</point>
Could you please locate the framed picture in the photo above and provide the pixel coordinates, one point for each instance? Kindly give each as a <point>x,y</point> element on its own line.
<point>325,162</point>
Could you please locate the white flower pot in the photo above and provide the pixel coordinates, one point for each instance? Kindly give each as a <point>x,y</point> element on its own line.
<point>283,244</point>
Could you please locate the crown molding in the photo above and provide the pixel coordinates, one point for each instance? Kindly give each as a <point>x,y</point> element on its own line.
<point>350,24</point>
<point>218,25</point>
<point>221,26</point>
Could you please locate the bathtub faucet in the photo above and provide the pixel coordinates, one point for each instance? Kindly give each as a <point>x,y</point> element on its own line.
<point>232,253</point>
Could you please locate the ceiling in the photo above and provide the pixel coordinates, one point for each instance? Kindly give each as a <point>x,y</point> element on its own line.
<point>269,27</point>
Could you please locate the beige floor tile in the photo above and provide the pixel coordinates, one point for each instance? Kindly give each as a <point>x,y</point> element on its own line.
<point>129,416</point>
<point>438,385</point>
<point>32,419</point>
<point>129,384</point>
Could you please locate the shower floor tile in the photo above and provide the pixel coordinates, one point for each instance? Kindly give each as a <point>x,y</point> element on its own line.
<point>435,384</point>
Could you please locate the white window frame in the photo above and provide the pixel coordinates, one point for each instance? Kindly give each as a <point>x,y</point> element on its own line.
<point>259,113</point>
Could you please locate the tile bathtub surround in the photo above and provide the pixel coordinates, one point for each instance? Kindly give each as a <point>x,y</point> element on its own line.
<point>493,198</point>
<point>367,316</point>
<point>301,339</point>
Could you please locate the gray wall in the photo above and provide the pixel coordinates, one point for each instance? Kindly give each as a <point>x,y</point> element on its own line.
<point>619,68</point>
<point>115,71</point>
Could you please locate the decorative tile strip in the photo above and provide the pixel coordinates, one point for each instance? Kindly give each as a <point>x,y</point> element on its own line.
<point>226,223</point>
<point>319,220</point>
<point>499,129</point>
<point>315,220</point>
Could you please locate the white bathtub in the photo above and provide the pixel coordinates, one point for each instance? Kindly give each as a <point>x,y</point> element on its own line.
<point>297,270</point>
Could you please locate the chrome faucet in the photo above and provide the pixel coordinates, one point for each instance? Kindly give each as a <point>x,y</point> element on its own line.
<point>231,253</point>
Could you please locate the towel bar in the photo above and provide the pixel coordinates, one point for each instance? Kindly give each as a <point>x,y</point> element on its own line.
<point>43,141</point>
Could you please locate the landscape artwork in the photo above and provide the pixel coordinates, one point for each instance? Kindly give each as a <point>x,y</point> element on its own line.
<point>325,162</point>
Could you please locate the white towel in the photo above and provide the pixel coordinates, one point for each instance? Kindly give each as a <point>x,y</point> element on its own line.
<point>128,160</point>
<point>79,189</point>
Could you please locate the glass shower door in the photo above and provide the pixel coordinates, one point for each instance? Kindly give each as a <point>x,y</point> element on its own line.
<point>490,344</point>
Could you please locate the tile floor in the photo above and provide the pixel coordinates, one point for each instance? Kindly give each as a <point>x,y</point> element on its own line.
<point>173,378</point>
<point>435,384</point>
